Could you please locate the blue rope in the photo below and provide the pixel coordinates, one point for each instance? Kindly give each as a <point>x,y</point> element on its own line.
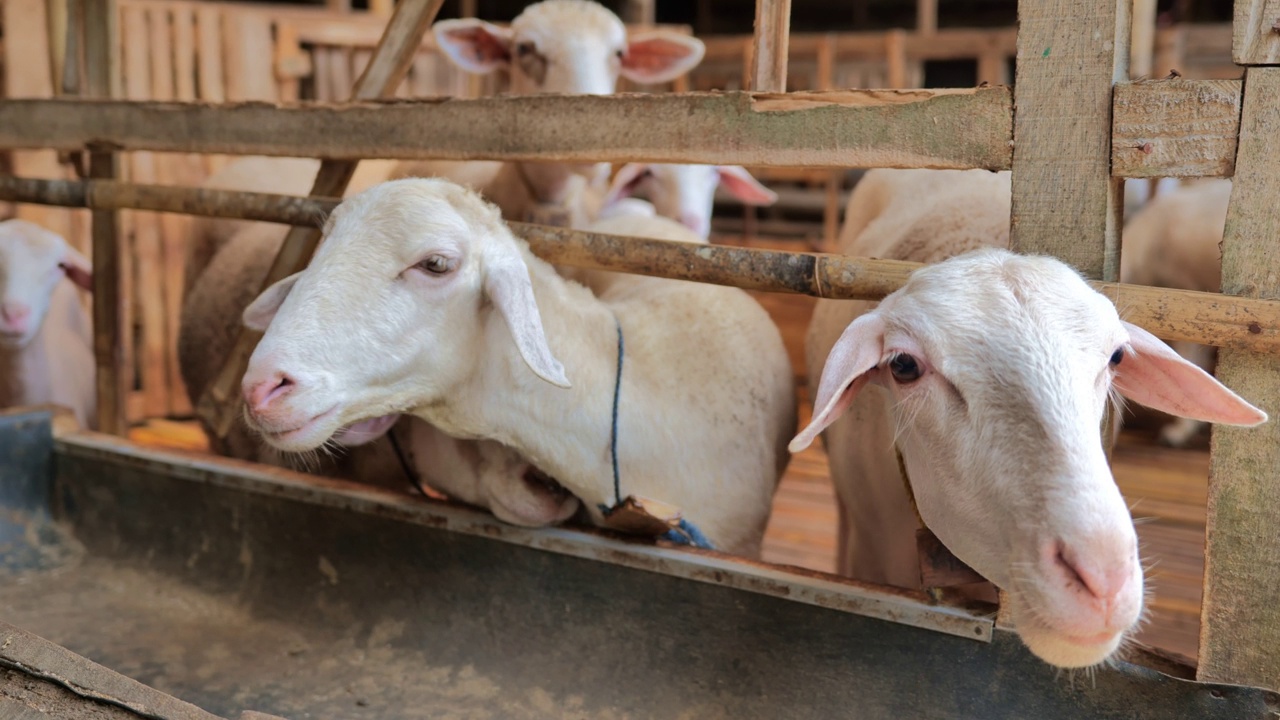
<point>687,533</point>
<point>613,433</point>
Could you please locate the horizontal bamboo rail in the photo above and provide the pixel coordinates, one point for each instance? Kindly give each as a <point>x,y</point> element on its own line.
<point>1161,128</point>
<point>1208,318</point>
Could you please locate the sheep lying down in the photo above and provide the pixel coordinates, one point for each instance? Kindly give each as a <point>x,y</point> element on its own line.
<point>990,372</point>
<point>421,302</point>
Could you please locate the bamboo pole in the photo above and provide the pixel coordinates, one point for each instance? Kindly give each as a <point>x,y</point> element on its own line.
<point>1207,318</point>
<point>391,59</point>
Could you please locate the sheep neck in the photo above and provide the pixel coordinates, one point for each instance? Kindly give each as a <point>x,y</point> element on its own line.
<point>565,432</point>
<point>24,372</point>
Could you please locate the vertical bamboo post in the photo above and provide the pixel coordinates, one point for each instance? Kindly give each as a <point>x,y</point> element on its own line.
<point>772,36</point>
<point>1239,622</point>
<point>835,178</point>
<point>218,406</point>
<point>1142,42</point>
<point>110,304</point>
<point>926,16</point>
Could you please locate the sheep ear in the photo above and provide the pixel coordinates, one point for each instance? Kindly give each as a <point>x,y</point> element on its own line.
<point>849,366</point>
<point>739,182</point>
<point>661,56</point>
<point>626,182</point>
<point>78,268</point>
<point>1156,376</point>
<point>260,312</point>
<point>507,284</point>
<point>474,45</point>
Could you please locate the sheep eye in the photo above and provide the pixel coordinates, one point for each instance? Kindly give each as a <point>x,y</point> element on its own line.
<point>435,264</point>
<point>619,53</point>
<point>1117,356</point>
<point>905,369</point>
<point>525,49</point>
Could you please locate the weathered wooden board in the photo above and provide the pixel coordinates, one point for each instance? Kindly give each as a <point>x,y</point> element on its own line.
<point>1240,620</point>
<point>1065,202</point>
<point>1175,128</point>
<point>1256,32</point>
<point>964,128</point>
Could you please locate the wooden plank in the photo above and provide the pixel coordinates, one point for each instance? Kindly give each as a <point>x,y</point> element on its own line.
<point>27,74</point>
<point>948,128</point>
<point>1240,628</point>
<point>147,256</point>
<point>1206,318</point>
<point>386,71</point>
<point>174,229</point>
<point>1065,202</point>
<point>1255,38</point>
<point>209,35</point>
<point>110,255</point>
<point>247,45</point>
<point>772,34</point>
<point>1175,128</point>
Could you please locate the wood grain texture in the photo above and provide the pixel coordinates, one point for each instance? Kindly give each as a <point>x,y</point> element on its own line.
<point>1175,128</point>
<point>772,35</point>
<point>1065,203</point>
<point>963,128</point>
<point>1255,39</point>
<point>1240,624</point>
<point>218,406</point>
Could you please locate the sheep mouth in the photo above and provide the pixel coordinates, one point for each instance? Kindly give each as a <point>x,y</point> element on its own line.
<point>291,435</point>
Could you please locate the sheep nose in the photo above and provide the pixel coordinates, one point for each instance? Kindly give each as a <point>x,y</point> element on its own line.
<point>260,395</point>
<point>15,314</point>
<point>1100,579</point>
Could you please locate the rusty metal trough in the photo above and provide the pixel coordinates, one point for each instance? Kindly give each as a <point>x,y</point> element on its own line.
<point>136,583</point>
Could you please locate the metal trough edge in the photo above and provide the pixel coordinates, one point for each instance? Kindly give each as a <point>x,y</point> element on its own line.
<point>804,586</point>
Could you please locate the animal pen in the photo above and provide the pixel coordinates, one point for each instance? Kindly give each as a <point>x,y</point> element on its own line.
<point>208,574</point>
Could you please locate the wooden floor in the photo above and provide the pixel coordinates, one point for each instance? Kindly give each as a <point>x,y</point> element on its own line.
<point>1168,487</point>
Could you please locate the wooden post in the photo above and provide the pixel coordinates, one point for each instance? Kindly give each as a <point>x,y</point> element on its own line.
<point>391,60</point>
<point>772,36</point>
<point>1239,622</point>
<point>110,302</point>
<point>835,178</point>
<point>1256,35</point>
<point>1142,42</point>
<point>467,8</point>
<point>639,12</point>
<point>895,52</point>
<point>1065,202</point>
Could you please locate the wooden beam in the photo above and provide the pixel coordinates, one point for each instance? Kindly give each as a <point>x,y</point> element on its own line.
<point>949,128</point>
<point>1255,38</point>
<point>1240,627</point>
<point>772,42</point>
<point>1065,202</point>
<point>1208,318</point>
<point>218,406</point>
<point>1175,128</point>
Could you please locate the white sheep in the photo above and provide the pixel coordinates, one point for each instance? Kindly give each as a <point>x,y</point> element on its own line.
<point>421,301</point>
<point>993,371</point>
<point>687,192</point>
<point>1174,241</point>
<point>573,47</point>
<point>46,337</point>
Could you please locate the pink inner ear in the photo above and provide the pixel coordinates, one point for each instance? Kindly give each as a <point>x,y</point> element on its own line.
<point>744,187</point>
<point>653,59</point>
<point>485,49</point>
<point>82,277</point>
<point>1157,377</point>
<point>849,367</point>
<point>625,182</point>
